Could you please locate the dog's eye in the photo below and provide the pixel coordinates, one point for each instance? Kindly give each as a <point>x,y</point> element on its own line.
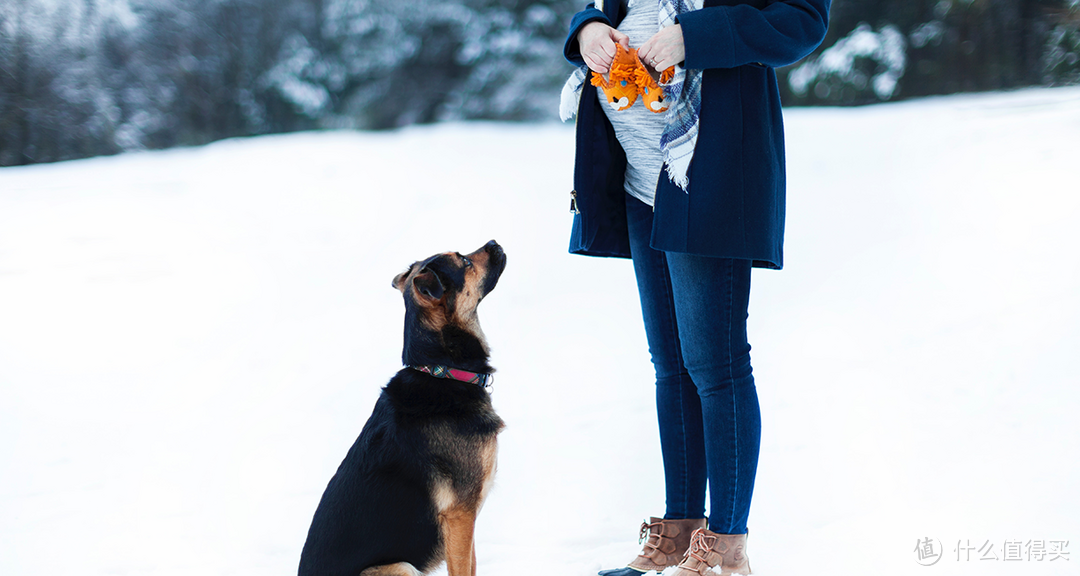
<point>467,262</point>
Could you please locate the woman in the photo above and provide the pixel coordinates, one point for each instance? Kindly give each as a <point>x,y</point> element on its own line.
<point>695,196</point>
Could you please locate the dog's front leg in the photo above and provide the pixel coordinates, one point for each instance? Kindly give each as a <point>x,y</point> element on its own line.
<point>458,525</point>
<point>474,557</point>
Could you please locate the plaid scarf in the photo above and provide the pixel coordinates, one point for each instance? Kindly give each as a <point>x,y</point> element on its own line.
<point>681,132</point>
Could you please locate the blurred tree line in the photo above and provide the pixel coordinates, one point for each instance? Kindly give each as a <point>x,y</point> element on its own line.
<point>88,77</point>
<point>890,49</point>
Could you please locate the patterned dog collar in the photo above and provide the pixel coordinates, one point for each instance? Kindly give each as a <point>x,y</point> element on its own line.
<point>481,379</point>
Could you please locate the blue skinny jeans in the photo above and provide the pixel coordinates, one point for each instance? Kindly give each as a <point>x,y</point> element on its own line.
<point>695,311</point>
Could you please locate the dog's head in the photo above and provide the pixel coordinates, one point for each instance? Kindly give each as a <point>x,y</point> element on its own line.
<point>441,296</point>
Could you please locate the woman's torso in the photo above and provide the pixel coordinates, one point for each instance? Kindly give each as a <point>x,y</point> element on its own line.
<point>638,129</point>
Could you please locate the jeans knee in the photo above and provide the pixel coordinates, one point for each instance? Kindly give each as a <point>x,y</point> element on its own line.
<point>712,382</point>
<point>675,380</point>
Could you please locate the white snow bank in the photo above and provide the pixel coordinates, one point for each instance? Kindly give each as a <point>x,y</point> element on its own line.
<point>191,339</point>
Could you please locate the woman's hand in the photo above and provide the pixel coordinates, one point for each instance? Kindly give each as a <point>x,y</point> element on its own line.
<point>597,43</point>
<point>664,50</point>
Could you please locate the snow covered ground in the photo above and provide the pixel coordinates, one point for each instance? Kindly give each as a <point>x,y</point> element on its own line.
<point>191,339</point>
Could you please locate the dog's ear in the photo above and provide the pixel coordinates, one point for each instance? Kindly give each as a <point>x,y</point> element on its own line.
<point>428,283</point>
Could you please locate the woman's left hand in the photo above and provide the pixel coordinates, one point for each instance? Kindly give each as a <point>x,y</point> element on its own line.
<point>665,49</point>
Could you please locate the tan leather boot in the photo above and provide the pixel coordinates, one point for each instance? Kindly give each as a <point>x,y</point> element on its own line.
<point>666,541</point>
<point>725,554</point>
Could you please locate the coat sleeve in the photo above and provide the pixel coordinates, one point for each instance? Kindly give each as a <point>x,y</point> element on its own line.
<point>782,33</point>
<point>571,50</point>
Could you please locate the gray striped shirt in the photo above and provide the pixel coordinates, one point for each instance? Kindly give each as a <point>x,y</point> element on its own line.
<point>638,129</point>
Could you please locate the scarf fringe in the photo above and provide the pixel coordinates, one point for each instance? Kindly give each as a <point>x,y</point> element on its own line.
<point>678,170</point>
<point>571,94</point>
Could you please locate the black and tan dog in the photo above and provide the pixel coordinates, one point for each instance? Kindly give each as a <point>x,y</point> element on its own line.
<point>407,494</point>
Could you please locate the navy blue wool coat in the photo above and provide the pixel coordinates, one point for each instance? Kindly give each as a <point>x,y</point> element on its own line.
<point>735,204</point>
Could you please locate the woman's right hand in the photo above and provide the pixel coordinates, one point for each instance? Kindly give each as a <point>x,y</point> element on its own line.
<point>597,43</point>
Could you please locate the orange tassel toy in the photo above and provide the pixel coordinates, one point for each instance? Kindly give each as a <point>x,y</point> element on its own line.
<point>629,78</point>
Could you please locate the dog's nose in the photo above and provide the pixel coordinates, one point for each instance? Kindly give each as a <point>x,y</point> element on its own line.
<point>496,255</point>
<point>496,264</point>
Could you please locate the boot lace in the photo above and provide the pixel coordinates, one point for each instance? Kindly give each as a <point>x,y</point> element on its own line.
<point>700,545</point>
<point>647,529</point>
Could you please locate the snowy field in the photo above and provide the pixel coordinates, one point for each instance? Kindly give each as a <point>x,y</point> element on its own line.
<point>190,340</point>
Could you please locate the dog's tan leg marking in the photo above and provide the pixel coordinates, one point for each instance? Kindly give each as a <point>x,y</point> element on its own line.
<point>458,525</point>
<point>459,521</point>
<point>489,453</point>
<point>444,496</point>
<point>474,558</point>
<point>399,569</point>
